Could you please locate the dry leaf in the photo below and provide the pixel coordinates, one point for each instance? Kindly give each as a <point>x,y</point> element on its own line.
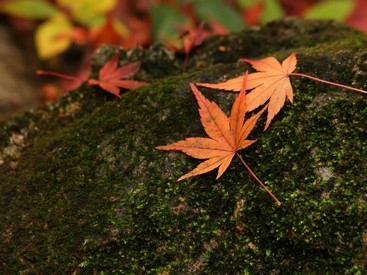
<point>271,82</point>
<point>226,135</point>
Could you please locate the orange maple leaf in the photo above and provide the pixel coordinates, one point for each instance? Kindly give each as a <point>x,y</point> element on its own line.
<point>227,135</point>
<point>271,82</point>
<point>111,78</point>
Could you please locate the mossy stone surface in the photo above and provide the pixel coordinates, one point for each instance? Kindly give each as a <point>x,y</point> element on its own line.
<point>84,191</point>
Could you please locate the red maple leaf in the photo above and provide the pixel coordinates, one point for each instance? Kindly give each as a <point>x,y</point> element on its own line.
<point>111,78</point>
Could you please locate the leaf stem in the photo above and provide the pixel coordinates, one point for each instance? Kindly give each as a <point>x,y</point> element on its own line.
<point>258,180</point>
<point>185,62</point>
<point>65,76</point>
<point>328,82</point>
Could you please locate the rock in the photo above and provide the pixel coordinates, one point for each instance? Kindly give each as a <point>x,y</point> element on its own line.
<point>83,189</point>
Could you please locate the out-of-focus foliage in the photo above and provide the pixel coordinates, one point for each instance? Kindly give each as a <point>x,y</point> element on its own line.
<point>165,22</point>
<point>217,10</point>
<point>32,9</point>
<point>331,9</point>
<point>58,24</point>
<point>64,21</point>
<point>272,11</point>
<point>91,13</point>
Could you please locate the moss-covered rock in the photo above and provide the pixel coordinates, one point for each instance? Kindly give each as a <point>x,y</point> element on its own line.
<point>83,189</point>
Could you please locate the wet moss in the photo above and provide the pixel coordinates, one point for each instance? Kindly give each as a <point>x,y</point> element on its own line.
<point>88,193</point>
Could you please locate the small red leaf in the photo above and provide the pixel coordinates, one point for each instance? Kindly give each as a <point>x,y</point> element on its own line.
<point>111,78</point>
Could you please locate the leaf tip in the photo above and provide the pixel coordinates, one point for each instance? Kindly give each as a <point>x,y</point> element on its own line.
<point>246,60</point>
<point>184,177</point>
<point>244,82</point>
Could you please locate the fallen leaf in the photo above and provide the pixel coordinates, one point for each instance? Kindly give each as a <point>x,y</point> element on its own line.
<point>271,82</point>
<point>111,78</point>
<point>226,135</point>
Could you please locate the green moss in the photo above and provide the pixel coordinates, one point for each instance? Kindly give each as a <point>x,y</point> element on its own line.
<point>89,193</point>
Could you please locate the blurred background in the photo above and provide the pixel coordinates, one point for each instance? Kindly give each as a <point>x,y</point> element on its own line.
<point>61,35</point>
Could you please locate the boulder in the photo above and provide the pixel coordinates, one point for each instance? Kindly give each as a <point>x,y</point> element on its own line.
<point>84,191</point>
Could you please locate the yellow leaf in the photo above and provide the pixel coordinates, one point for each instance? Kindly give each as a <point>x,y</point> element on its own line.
<point>89,12</point>
<point>50,36</point>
